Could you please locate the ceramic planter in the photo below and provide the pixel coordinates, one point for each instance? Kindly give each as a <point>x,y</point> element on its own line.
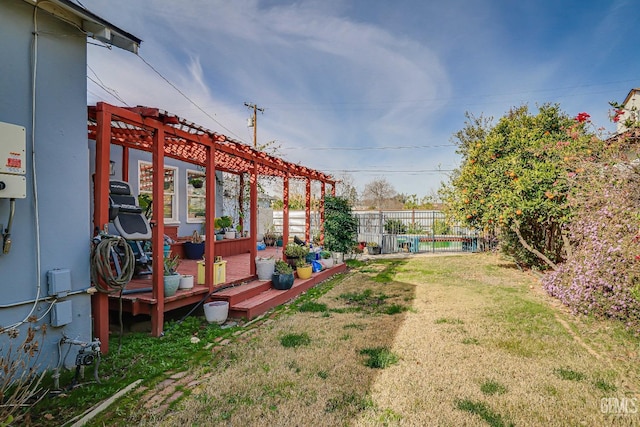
<point>171,283</point>
<point>282,282</point>
<point>304,272</point>
<point>193,250</point>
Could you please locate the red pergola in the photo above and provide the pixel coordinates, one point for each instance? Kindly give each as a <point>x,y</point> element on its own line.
<point>166,135</point>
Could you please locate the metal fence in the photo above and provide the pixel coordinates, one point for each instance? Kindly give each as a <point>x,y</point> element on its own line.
<point>416,231</point>
<point>398,231</point>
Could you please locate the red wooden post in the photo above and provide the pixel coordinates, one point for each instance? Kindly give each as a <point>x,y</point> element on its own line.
<point>157,239</point>
<point>100,300</point>
<point>307,211</point>
<point>285,211</point>
<point>125,165</point>
<point>253,208</point>
<point>210,215</point>
<point>322,192</point>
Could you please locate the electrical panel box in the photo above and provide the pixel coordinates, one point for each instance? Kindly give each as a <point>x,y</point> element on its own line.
<point>59,281</point>
<point>61,314</point>
<point>13,144</point>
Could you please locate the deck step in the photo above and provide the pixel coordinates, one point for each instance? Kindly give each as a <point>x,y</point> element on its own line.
<point>242,292</point>
<point>270,298</point>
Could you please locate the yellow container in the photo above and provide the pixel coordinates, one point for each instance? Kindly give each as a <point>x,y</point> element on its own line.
<point>219,272</point>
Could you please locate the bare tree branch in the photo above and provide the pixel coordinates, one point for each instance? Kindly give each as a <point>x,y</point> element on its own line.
<point>516,229</point>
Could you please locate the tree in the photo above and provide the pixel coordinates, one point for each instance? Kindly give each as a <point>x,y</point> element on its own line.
<point>411,201</point>
<point>380,194</point>
<point>345,188</point>
<point>515,178</point>
<point>340,226</point>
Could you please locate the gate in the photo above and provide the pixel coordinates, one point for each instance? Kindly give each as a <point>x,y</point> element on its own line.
<point>415,231</point>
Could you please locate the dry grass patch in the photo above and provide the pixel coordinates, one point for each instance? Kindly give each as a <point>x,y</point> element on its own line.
<point>476,345</point>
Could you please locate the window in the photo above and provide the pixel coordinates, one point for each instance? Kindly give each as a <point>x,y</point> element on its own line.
<point>170,202</point>
<point>196,196</point>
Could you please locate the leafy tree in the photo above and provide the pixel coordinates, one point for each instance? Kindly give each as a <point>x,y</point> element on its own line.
<point>411,201</point>
<point>515,178</point>
<point>340,225</point>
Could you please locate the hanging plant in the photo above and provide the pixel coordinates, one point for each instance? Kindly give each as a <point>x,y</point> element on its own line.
<point>196,182</point>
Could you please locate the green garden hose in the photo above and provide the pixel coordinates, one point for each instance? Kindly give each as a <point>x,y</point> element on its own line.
<point>102,268</point>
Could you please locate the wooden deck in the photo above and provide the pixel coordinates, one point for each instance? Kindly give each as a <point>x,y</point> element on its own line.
<point>247,297</point>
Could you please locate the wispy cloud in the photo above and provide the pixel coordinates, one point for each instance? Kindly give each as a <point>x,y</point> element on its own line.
<point>335,74</point>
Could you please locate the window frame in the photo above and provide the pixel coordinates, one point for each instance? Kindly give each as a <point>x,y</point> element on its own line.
<point>191,194</point>
<point>174,219</point>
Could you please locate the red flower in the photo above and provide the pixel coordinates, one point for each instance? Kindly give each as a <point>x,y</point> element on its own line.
<point>617,115</point>
<point>637,257</point>
<point>582,117</point>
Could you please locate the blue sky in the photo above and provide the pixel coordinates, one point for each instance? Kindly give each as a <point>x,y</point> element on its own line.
<point>375,88</point>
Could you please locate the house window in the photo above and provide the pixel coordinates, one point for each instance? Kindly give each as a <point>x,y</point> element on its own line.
<point>196,196</point>
<point>170,202</point>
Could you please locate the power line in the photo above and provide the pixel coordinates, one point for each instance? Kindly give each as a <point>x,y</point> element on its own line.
<point>400,147</point>
<point>187,98</point>
<point>407,171</point>
<point>104,87</point>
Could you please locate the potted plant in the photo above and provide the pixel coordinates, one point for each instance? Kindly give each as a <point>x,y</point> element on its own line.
<point>293,252</point>
<point>194,247</point>
<point>340,225</point>
<point>282,278</point>
<point>303,269</point>
<point>373,248</point>
<point>269,236</point>
<point>196,182</point>
<point>224,223</point>
<point>265,267</point>
<point>171,276</point>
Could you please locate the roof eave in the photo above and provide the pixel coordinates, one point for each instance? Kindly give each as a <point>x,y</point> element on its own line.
<point>93,25</point>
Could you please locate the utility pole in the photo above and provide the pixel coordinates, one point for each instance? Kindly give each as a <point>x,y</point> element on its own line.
<point>254,121</point>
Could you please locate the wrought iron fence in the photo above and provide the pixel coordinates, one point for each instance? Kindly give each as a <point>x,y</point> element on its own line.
<point>416,231</point>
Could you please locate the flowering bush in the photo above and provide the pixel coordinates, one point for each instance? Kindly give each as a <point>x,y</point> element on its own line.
<point>602,275</point>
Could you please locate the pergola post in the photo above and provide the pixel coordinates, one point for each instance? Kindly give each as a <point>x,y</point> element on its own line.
<point>209,216</point>
<point>322,192</point>
<point>241,203</point>
<point>125,164</point>
<point>157,312</point>
<point>100,300</point>
<point>307,211</point>
<point>253,182</point>
<point>285,211</point>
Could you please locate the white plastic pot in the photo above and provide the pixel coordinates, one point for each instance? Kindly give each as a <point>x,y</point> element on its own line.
<point>265,267</point>
<point>186,282</point>
<point>216,311</point>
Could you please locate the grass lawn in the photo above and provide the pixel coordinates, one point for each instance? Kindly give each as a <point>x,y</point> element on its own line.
<point>426,340</point>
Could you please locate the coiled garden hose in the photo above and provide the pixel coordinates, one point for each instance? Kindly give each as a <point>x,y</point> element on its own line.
<point>102,268</point>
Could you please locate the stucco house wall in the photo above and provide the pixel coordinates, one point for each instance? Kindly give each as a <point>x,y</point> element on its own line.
<point>52,226</point>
